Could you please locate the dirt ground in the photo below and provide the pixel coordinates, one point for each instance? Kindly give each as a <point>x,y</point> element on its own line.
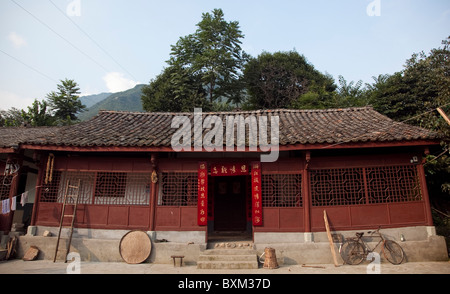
<point>18,266</point>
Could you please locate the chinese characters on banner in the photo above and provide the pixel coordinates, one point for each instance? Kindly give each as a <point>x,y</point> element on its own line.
<point>202,205</point>
<point>256,194</point>
<point>229,169</point>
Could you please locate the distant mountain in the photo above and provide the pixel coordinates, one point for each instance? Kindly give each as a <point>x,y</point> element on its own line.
<point>129,100</point>
<point>90,100</point>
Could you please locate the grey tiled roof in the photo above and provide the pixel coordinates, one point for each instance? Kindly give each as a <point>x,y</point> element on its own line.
<point>117,128</point>
<point>14,136</point>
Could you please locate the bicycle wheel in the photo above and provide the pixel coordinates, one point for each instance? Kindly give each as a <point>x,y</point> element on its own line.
<point>343,249</point>
<point>393,252</point>
<point>352,252</point>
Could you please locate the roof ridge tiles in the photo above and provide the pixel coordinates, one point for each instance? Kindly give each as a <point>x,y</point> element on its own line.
<point>274,110</point>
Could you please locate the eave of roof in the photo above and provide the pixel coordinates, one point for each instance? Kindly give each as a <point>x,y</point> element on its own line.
<point>299,130</point>
<point>353,145</point>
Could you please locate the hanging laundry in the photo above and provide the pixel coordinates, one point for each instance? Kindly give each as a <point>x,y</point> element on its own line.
<point>24,198</point>
<point>5,206</point>
<point>13,203</point>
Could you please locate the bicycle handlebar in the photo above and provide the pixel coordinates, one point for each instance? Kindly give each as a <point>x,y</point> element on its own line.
<point>376,231</point>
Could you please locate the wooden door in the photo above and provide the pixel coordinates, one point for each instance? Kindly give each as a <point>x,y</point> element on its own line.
<point>229,204</point>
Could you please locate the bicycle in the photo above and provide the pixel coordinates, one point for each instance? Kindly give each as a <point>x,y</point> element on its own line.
<point>354,250</point>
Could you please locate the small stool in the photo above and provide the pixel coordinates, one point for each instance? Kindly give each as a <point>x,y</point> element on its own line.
<point>178,256</point>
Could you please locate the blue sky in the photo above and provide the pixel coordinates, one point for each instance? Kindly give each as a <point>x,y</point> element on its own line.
<point>337,37</point>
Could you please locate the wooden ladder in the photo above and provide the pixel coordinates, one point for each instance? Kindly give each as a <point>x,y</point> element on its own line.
<point>74,196</point>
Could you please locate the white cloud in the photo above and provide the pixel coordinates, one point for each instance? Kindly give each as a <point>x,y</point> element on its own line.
<point>9,99</point>
<point>17,40</point>
<point>116,82</point>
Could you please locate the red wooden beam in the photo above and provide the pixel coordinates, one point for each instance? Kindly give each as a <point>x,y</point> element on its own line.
<point>280,148</point>
<point>7,150</point>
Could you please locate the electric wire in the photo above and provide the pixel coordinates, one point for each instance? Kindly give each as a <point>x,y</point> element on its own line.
<point>60,36</point>
<point>380,130</point>
<point>92,39</point>
<point>29,66</point>
<point>436,157</point>
<point>37,71</point>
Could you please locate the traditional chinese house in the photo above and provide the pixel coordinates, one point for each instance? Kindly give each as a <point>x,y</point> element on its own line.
<point>363,168</point>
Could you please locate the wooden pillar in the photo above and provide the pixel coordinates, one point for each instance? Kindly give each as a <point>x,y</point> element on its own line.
<point>40,180</point>
<point>306,194</point>
<point>425,196</point>
<point>153,191</point>
<point>16,158</point>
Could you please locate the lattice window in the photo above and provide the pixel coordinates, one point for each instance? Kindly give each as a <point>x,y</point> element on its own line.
<point>348,186</point>
<point>178,189</point>
<point>281,190</point>
<point>337,187</point>
<point>51,190</point>
<point>393,184</point>
<point>5,186</point>
<point>110,185</point>
<point>107,188</point>
<point>138,189</point>
<point>122,188</point>
<point>86,186</point>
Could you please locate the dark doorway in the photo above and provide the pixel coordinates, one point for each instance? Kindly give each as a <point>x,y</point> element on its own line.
<point>230,204</point>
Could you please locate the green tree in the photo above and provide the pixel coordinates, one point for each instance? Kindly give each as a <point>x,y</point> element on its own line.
<point>279,80</point>
<point>174,90</point>
<point>38,114</point>
<point>65,103</point>
<point>350,94</point>
<point>412,95</point>
<point>347,94</point>
<point>214,56</point>
<point>11,117</point>
<point>420,88</point>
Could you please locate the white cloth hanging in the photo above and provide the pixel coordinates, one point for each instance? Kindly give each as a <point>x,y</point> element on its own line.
<point>5,206</point>
<point>24,198</point>
<point>13,203</point>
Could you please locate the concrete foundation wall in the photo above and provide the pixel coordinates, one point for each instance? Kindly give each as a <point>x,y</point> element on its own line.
<point>432,249</point>
<point>421,244</point>
<point>103,245</point>
<point>171,236</point>
<point>409,234</point>
<point>106,250</point>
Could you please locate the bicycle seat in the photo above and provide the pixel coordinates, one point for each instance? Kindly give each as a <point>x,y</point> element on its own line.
<point>359,235</point>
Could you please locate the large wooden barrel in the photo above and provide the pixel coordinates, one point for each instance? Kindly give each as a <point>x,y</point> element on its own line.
<point>271,258</point>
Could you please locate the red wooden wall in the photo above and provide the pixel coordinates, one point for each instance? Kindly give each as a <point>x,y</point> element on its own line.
<point>275,219</point>
<point>345,217</point>
<point>99,216</point>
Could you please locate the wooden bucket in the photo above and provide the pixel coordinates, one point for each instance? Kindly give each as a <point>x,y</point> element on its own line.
<point>271,258</point>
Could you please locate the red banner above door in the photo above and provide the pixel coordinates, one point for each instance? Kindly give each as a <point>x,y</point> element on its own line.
<point>229,169</point>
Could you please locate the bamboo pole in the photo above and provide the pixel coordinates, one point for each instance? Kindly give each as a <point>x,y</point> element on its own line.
<point>330,239</point>
<point>442,113</point>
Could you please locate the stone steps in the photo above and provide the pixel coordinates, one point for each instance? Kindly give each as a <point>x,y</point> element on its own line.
<point>228,259</point>
<point>231,245</point>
